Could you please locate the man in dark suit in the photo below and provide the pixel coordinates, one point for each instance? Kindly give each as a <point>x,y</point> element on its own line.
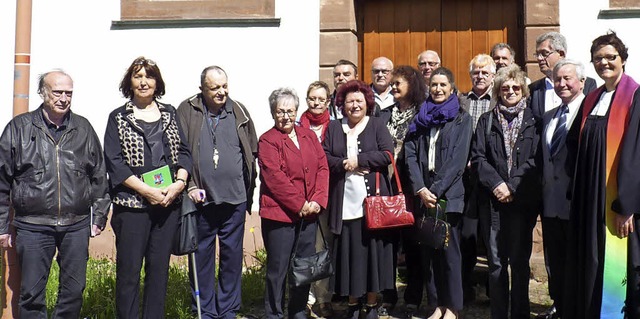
<point>551,47</point>
<point>558,149</point>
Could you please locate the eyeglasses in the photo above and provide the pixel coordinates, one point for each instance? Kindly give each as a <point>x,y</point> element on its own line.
<point>58,93</point>
<point>383,71</point>
<point>431,64</point>
<point>143,61</point>
<point>507,88</point>
<point>608,57</point>
<point>483,74</point>
<point>317,99</point>
<point>543,54</point>
<point>282,114</point>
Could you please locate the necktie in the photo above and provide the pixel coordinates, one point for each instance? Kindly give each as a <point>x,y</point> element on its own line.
<point>561,129</point>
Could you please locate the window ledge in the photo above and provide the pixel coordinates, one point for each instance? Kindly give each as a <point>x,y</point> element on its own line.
<point>629,13</point>
<point>194,23</point>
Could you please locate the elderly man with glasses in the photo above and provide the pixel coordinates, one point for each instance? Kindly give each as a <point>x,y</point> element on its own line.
<point>224,146</point>
<point>381,69</point>
<point>427,62</point>
<point>551,47</point>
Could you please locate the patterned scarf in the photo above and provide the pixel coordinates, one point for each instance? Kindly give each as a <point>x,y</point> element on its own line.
<point>510,119</point>
<point>432,114</point>
<point>398,125</point>
<point>307,119</point>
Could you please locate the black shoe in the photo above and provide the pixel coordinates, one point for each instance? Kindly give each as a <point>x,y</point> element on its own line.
<point>353,312</point>
<point>550,313</point>
<point>410,311</point>
<point>371,312</point>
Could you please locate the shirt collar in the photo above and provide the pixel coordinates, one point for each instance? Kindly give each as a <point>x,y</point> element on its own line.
<point>51,125</point>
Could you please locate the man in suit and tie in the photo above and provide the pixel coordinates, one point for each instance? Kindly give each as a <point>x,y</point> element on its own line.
<point>558,149</point>
<point>551,47</point>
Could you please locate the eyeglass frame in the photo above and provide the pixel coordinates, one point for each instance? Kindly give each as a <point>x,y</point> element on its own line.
<point>143,61</point>
<point>541,55</point>
<point>291,114</point>
<point>509,88</point>
<point>383,71</point>
<point>598,60</point>
<point>317,99</point>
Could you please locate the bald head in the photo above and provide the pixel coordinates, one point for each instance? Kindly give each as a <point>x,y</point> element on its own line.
<point>427,62</point>
<point>381,69</point>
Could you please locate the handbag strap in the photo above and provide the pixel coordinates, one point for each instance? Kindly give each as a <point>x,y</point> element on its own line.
<point>395,173</point>
<point>295,245</point>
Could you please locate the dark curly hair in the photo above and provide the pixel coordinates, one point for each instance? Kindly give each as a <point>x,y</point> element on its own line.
<point>415,80</point>
<point>355,86</point>
<point>152,71</point>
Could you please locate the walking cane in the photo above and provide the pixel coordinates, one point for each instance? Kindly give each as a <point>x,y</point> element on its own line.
<point>192,256</point>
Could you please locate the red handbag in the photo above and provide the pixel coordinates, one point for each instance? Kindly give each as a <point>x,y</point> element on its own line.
<point>387,211</point>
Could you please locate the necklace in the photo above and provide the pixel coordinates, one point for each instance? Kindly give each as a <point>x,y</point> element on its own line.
<point>316,127</point>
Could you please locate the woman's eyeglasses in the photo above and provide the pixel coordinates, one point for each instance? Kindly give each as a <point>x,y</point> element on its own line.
<point>508,88</point>
<point>290,114</point>
<point>608,57</point>
<point>316,99</point>
<point>143,61</point>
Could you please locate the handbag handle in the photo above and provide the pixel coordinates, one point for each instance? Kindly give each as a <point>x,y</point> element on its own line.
<point>395,173</point>
<point>295,246</point>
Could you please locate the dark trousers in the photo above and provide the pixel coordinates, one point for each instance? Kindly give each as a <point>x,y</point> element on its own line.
<point>143,234</point>
<point>555,234</point>
<point>35,254</point>
<point>468,249</point>
<point>510,245</point>
<point>419,272</point>
<point>447,265</point>
<point>219,298</point>
<point>279,239</point>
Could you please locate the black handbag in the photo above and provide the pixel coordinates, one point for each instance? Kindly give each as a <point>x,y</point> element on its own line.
<point>305,270</point>
<point>185,240</point>
<point>432,231</point>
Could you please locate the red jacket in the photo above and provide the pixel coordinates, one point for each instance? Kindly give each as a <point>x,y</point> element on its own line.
<point>290,176</point>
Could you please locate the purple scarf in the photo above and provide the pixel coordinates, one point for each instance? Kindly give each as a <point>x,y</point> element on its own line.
<point>432,114</point>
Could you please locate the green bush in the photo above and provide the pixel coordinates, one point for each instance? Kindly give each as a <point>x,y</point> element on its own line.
<point>99,294</point>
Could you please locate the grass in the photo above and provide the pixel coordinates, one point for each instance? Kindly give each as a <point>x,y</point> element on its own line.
<point>99,294</point>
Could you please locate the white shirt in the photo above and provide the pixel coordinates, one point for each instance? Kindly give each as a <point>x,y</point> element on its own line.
<point>355,188</point>
<point>551,99</point>
<point>573,113</point>
<point>603,104</point>
<point>386,102</point>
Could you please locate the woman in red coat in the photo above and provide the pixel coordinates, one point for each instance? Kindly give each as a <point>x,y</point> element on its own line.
<point>294,180</point>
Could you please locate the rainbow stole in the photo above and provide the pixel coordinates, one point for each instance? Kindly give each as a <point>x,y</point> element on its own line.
<point>615,253</point>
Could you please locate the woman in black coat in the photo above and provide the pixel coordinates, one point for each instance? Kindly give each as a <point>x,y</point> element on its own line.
<point>436,151</point>
<point>503,152</point>
<point>357,148</point>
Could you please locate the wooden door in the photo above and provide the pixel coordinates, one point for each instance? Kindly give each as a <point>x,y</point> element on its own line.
<point>456,29</point>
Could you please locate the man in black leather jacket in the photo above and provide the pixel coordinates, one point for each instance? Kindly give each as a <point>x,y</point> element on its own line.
<point>52,173</point>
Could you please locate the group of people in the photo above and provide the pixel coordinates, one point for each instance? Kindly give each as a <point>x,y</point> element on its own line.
<point>491,160</point>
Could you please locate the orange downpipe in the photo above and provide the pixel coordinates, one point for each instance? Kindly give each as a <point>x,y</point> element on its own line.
<point>22,65</point>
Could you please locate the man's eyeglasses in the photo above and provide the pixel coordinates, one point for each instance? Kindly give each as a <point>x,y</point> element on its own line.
<point>507,88</point>
<point>483,74</point>
<point>58,93</point>
<point>316,99</point>
<point>543,54</point>
<point>431,64</point>
<point>143,61</point>
<point>383,71</point>
<point>608,57</point>
<point>282,114</point>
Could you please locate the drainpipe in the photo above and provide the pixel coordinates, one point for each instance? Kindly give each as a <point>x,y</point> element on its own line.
<point>22,65</point>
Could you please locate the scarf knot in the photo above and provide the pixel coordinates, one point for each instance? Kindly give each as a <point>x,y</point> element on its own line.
<point>432,114</point>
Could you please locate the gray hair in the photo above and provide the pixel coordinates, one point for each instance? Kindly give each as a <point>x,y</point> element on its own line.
<point>206,70</point>
<point>557,41</point>
<point>502,45</point>
<point>280,94</point>
<point>578,65</point>
<point>511,72</point>
<point>41,78</point>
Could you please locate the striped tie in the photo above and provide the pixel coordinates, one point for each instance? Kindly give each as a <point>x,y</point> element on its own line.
<point>561,129</point>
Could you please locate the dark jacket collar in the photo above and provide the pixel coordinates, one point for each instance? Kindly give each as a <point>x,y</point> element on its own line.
<point>197,103</point>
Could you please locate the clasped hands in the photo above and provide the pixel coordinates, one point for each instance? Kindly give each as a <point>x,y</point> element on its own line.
<point>164,196</point>
<point>502,193</point>
<point>427,197</point>
<point>309,208</point>
<point>351,165</point>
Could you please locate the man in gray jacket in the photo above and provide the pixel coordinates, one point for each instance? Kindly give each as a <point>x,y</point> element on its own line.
<point>52,173</point>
